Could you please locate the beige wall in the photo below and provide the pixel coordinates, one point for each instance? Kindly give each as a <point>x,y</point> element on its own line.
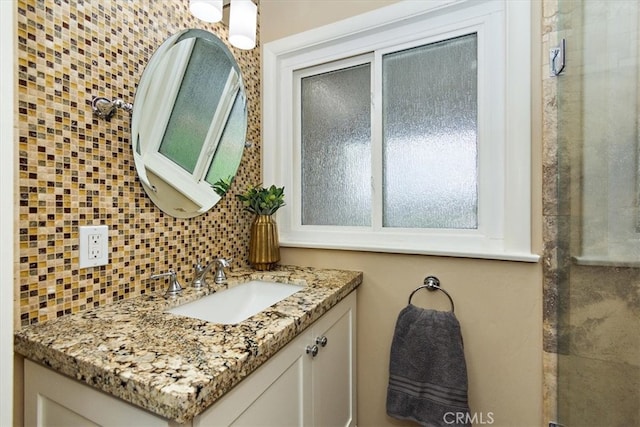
<point>281,18</point>
<point>498,303</point>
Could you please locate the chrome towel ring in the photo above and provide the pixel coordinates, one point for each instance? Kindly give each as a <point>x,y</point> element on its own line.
<point>432,283</point>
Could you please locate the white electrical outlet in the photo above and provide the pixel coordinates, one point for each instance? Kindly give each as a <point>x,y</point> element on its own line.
<point>94,245</point>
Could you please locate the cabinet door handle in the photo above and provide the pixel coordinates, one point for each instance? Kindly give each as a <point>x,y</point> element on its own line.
<point>322,341</point>
<point>312,350</point>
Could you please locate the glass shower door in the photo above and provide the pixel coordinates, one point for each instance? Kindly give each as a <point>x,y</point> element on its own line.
<point>599,196</point>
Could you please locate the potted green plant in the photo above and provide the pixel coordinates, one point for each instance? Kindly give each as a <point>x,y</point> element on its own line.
<point>262,201</point>
<point>264,247</point>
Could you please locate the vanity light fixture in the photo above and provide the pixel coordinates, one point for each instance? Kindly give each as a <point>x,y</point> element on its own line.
<point>243,18</point>
<point>242,24</point>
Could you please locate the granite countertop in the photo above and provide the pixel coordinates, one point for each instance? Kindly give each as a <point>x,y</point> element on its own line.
<point>178,366</point>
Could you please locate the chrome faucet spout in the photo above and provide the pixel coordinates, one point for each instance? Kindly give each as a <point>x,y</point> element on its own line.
<point>199,277</point>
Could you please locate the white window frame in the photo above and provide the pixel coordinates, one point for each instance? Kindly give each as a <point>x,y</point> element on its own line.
<point>504,42</point>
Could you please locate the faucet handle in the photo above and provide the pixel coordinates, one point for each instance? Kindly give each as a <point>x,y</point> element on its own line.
<point>174,286</point>
<point>221,263</point>
<point>224,262</point>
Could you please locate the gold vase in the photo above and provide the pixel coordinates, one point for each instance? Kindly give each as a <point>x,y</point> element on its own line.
<point>264,248</point>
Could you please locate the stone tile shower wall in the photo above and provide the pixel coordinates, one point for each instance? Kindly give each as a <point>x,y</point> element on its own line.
<point>76,169</point>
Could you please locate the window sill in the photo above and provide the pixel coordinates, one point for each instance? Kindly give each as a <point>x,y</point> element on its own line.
<point>501,256</point>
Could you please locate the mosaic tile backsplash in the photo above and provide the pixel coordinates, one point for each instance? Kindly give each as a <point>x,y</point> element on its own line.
<point>76,169</point>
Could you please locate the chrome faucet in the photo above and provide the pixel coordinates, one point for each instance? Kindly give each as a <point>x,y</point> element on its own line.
<point>174,287</point>
<point>200,275</point>
<point>221,263</point>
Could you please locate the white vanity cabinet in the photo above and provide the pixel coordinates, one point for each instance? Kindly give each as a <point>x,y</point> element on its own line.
<point>296,388</point>
<point>293,388</point>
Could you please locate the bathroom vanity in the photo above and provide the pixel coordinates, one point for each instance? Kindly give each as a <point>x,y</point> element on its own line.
<point>133,363</point>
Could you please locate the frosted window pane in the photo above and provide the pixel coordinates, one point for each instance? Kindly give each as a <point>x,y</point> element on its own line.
<point>430,136</point>
<point>336,148</point>
<point>195,104</point>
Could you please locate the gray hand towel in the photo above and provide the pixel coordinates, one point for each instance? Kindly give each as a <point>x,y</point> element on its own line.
<point>427,369</point>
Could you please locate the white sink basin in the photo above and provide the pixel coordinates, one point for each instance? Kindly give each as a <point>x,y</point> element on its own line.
<point>237,303</point>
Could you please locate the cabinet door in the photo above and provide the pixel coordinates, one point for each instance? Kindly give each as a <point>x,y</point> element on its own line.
<point>333,369</point>
<point>51,399</point>
<point>273,396</point>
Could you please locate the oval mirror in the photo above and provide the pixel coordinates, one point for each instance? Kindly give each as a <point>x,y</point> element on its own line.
<point>189,123</point>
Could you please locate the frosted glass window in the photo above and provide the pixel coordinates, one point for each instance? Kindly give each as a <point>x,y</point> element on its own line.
<point>195,105</point>
<point>450,113</point>
<point>336,147</point>
<point>430,151</point>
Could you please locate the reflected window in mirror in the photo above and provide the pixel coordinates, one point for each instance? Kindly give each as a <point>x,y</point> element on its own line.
<point>202,98</point>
